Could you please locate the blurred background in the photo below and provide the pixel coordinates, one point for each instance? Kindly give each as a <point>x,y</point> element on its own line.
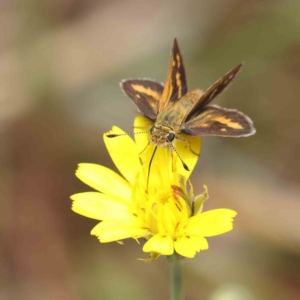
<point>60,66</point>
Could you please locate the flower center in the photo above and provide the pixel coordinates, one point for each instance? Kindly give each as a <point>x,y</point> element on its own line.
<point>164,197</point>
<point>164,212</point>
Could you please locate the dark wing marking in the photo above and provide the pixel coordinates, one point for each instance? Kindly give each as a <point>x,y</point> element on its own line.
<point>217,121</point>
<point>213,91</point>
<point>145,94</point>
<point>175,86</point>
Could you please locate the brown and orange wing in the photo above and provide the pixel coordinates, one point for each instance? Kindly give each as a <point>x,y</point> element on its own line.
<point>217,121</point>
<point>145,94</point>
<point>175,86</point>
<point>213,91</point>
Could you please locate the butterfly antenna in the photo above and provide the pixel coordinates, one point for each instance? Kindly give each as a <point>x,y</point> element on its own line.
<point>112,135</point>
<point>183,163</point>
<point>150,163</point>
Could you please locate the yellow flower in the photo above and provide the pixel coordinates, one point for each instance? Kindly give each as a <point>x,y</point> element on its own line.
<point>152,204</point>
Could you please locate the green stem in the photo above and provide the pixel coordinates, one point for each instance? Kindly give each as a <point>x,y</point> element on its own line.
<point>176,264</point>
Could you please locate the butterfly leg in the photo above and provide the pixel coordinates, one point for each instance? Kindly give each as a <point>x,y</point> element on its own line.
<point>144,148</point>
<point>189,143</point>
<point>173,163</point>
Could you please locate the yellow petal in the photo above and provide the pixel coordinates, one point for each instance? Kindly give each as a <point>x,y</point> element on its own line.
<point>111,231</point>
<point>104,180</point>
<point>211,223</point>
<point>167,217</point>
<point>163,161</point>
<point>159,243</point>
<point>189,246</point>
<point>124,153</point>
<point>189,151</point>
<point>100,206</point>
<point>142,127</point>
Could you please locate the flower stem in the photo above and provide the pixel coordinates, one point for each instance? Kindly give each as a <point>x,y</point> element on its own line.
<point>176,264</point>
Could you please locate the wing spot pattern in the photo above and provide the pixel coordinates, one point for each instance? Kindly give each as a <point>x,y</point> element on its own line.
<point>228,122</point>
<point>179,84</point>
<point>146,91</point>
<point>178,60</point>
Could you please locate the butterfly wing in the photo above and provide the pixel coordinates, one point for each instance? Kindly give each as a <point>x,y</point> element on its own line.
<point>213,91</point>
<point>217,121</point>
<point>175,86</point>
<point>145,94</point>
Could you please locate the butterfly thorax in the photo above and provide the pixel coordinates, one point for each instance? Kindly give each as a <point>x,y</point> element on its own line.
<point>174,114</point>
<point>161,135</point>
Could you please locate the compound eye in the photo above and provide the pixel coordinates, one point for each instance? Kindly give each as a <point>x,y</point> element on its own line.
<point>171,136</point>
<point>152,129</point>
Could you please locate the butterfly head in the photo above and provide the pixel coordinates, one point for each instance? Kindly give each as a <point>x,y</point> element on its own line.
<point>161,136</point>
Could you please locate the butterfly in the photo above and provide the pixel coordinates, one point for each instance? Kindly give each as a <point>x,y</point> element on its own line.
<point>176,111</point>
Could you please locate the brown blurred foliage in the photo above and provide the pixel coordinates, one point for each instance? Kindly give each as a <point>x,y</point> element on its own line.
<point>60,65</point>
